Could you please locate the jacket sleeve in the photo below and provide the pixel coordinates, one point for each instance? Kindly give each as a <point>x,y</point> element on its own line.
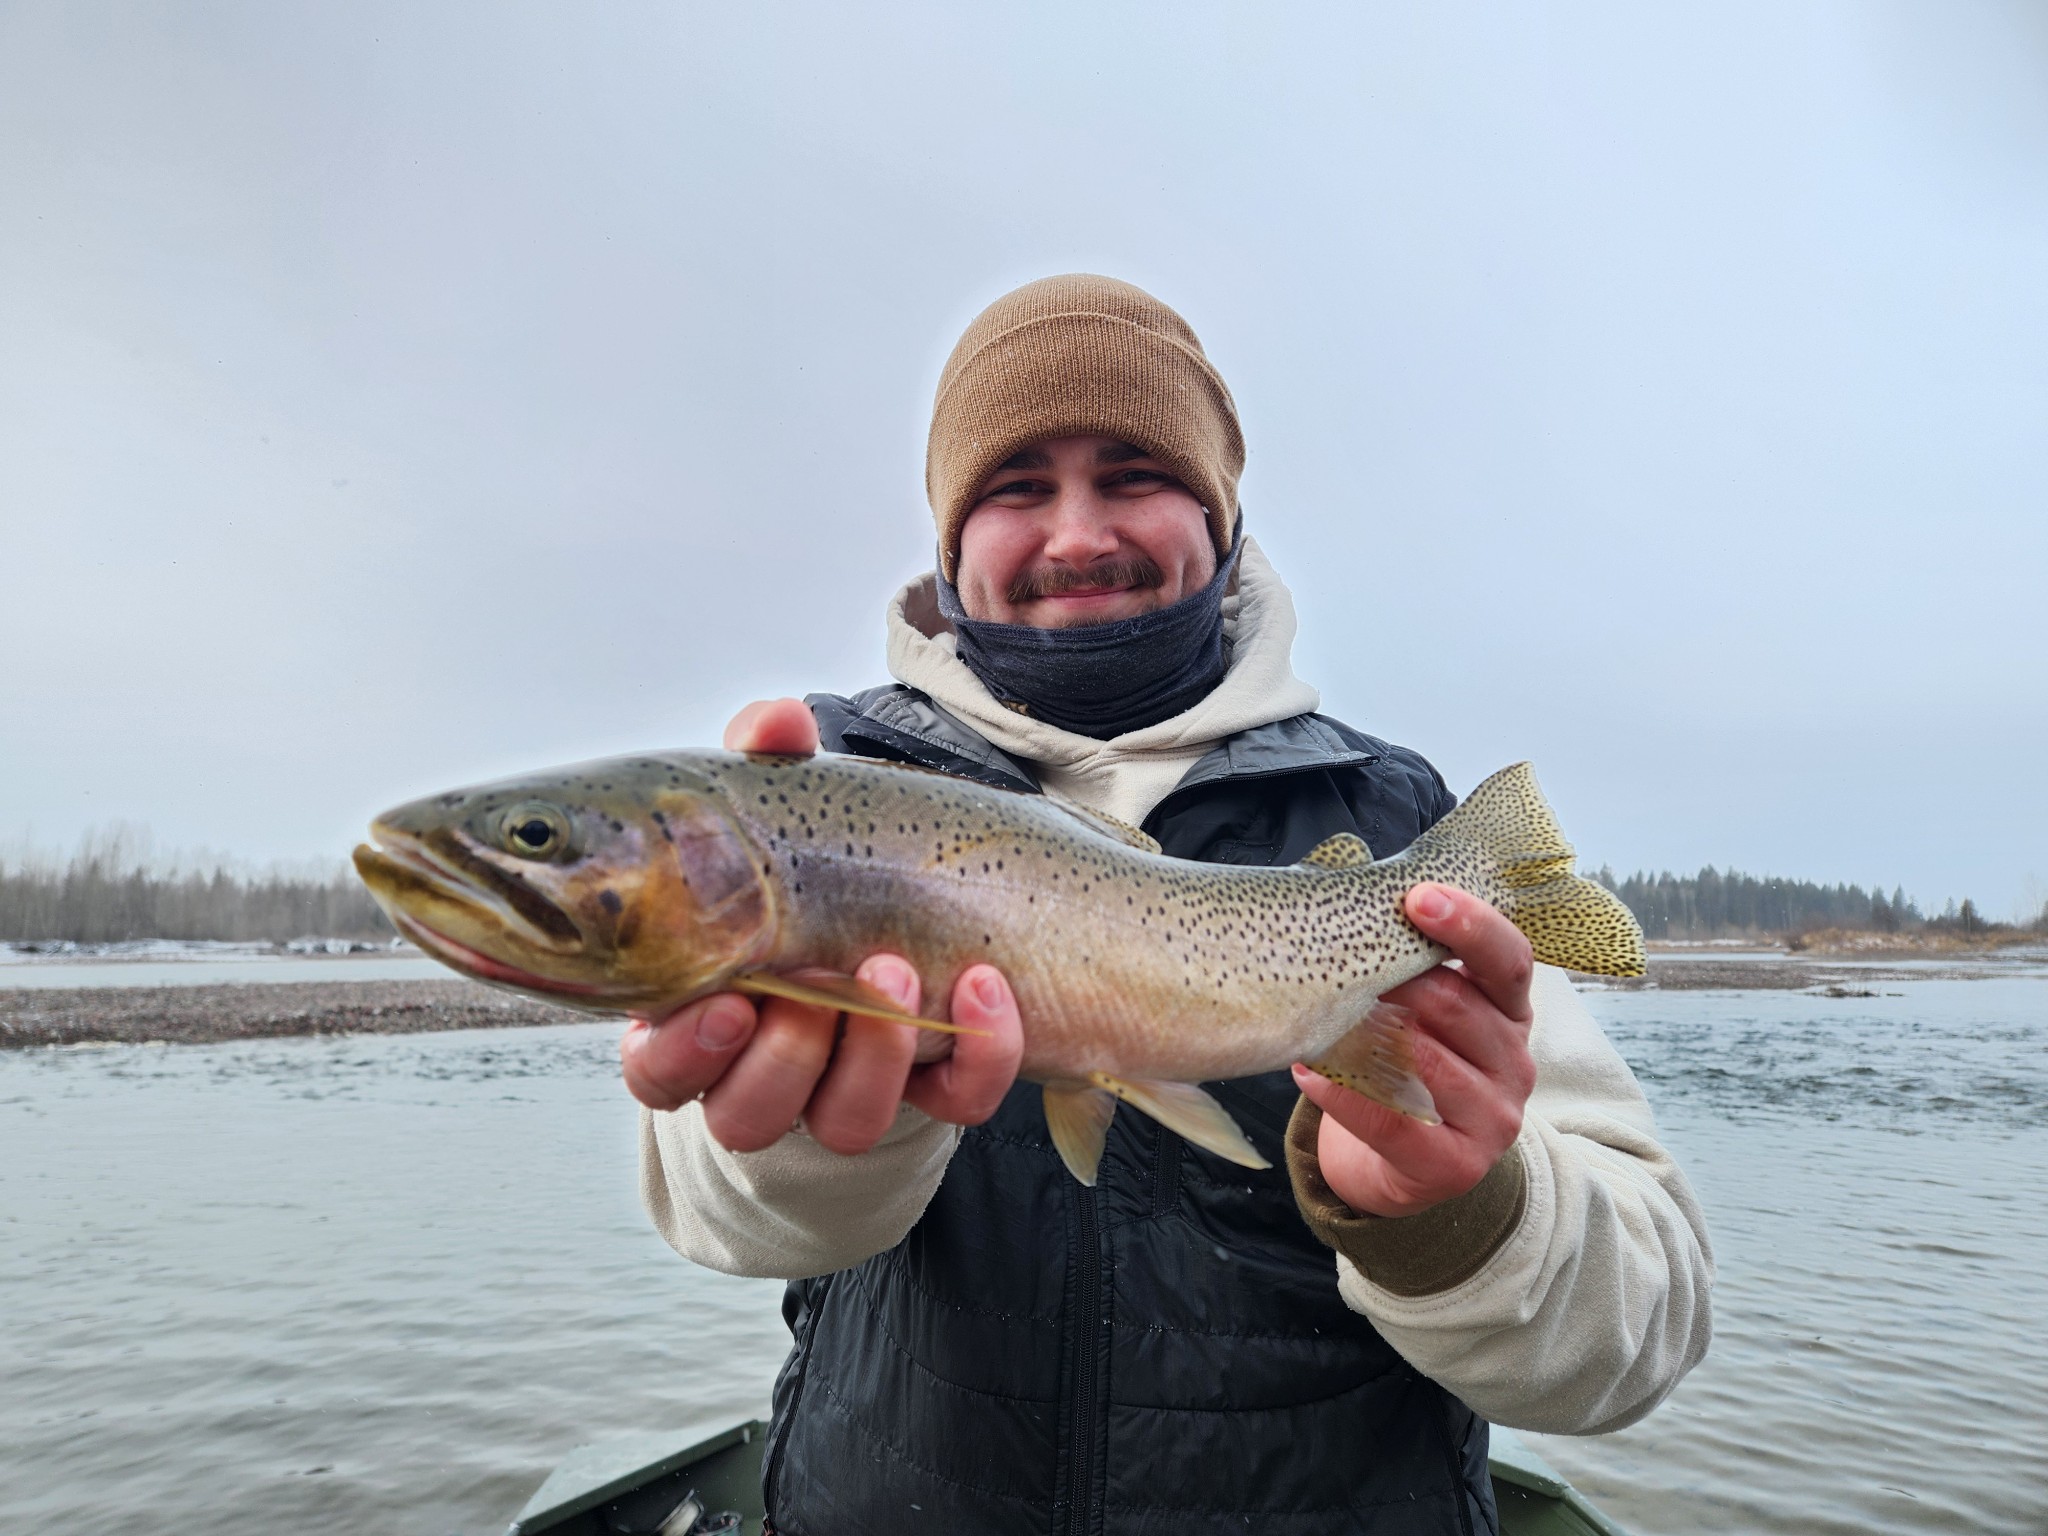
<point>791,1210</point>
<point>1568,1292</point>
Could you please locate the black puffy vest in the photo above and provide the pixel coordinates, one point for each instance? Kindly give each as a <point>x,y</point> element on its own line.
<point>1165,1354</point>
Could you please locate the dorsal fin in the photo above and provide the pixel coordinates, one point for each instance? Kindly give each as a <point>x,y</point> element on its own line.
<point>1344,851</point>
<point>1109,826</point>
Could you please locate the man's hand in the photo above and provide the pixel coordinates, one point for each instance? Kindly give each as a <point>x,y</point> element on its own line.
<point>1472,1049</point>
<point>758,1069</point>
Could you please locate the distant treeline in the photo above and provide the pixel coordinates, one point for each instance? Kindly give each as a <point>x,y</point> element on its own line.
<point>112,889</point>
<point>1717,905</point>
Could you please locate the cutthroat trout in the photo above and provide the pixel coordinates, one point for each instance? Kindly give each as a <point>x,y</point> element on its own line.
<point>636,884</point>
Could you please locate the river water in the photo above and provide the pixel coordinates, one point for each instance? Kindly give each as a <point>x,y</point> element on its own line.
<point>381,1284</point>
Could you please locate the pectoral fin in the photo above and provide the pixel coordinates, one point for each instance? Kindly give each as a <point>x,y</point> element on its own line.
<point>1377,1059</point>
<point>1078,1117</point>
<point>839,992</point>
<point>1184,1108</point>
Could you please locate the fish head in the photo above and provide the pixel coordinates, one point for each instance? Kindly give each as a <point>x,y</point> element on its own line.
<point>624,886</point>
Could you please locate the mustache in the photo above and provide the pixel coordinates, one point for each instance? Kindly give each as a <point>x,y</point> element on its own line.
<point>1059,580</point>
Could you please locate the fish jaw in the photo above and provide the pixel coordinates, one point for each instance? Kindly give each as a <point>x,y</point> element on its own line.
<point>475,963</point>
<point>469,926</point>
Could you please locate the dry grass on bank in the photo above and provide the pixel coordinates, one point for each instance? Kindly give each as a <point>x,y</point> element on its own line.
<point>1925,941</point>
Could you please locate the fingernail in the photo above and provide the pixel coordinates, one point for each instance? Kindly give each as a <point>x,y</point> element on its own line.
<point>892,980</point>
<point>723,1025</point>
<point>988,990</point>
<point>1431,904</point>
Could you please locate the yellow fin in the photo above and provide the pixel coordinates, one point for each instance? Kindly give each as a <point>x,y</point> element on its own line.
<point>1580,925</point>
<point>1109,826</point>
<point>1184,1108</point>
<point>1343,851</point>
<point>1078,1117</point>
<point>1508,820</point>
<point>839,992</point>
<point>1377,1059</point>
<point>1570,921</point>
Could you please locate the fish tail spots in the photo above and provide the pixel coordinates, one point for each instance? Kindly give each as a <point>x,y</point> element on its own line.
<point>1571,922</point>
<point>1580,925</point>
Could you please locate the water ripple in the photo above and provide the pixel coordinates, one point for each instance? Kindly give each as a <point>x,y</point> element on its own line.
<point>384,1283</point>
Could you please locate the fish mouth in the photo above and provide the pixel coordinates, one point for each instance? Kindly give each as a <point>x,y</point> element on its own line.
<point>476,963</point>
<point>438,867</point>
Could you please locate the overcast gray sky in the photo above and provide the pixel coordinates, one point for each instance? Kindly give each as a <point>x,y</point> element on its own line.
<point>397,395</point>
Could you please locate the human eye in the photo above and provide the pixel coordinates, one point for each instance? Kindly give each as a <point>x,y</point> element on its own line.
<point>1140,481</point>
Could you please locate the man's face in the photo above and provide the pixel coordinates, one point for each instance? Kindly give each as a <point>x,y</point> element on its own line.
<point>1081,530</point>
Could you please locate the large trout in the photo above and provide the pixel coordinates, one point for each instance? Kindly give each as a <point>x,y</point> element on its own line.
<point>636,884</point>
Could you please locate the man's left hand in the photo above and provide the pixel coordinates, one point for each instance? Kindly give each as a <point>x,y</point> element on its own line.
<point>1472,1049</point>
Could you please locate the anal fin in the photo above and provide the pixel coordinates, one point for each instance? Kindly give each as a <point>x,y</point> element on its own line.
<point>1186,1109</point>
<point>1377,1059</point>
<point>839,992</point>
<point>1078,1117</point>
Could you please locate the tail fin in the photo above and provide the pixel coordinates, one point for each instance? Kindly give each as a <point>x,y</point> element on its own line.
<point>1571,922</point>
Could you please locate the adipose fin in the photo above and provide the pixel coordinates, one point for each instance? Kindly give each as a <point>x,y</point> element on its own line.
<point>1342,851</point>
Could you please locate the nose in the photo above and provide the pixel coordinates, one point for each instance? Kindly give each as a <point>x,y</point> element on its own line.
<point>1078,530</point>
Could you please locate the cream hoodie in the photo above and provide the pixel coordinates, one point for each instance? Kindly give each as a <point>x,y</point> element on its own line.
<point>1576,1281</point>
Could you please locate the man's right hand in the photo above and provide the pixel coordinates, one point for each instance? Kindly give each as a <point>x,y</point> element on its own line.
<point>759,1068</point>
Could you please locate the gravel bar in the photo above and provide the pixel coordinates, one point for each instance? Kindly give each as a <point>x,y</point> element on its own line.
<point>1699,973</point>
<point>249,1010</point>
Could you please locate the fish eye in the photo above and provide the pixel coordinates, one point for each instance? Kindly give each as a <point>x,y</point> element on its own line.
<point>536,831</point>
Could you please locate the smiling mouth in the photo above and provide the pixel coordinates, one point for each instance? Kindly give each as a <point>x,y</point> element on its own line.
<point>1083,594</point>
<point>1105,578</point>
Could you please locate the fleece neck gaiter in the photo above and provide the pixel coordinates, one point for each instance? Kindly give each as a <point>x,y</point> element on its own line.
<point>1102,680</point>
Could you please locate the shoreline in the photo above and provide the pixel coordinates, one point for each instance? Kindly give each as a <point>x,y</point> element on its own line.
<point>216,1012</point>
<point>256,1010</point>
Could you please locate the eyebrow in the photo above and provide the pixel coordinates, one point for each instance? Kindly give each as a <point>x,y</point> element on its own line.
<point>1030,458</point>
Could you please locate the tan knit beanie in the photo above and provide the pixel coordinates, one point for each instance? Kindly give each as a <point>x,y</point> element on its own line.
<point>1074,355</point>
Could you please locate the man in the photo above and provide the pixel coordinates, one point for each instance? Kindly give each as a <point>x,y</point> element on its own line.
<point>982,1343</point>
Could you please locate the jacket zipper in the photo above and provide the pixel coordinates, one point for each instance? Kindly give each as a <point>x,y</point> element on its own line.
<point>1083,1389</point>
<point>771,1471</point>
